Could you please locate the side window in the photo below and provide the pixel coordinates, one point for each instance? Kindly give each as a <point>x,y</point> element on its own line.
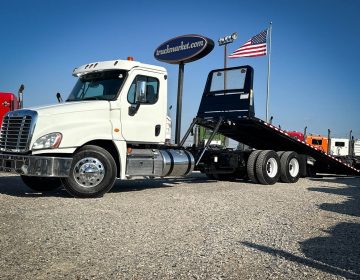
<point>317,142</point>
<point>147,94</point>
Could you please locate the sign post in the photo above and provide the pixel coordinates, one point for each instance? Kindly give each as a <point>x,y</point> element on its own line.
<point>181,50</point>
<point>179,102</point>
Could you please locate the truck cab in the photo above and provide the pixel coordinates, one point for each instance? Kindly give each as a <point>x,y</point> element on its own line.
<point>136,94</point>
<point>112,125</point>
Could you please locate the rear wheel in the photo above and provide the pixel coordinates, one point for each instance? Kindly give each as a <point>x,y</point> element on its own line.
<point>92,173</point>
<point>280,153</point>
<point>41,184</point>
<point>268,167</point>
<point>250,166</point>
<point>310,171</point>
<point>290,167</point>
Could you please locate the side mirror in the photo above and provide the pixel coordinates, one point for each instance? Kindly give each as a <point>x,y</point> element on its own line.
<point>140,95</point>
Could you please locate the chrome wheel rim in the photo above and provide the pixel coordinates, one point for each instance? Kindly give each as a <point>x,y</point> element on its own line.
<point>294,167</point>
<point>89,172</point>
<point>271,167</point>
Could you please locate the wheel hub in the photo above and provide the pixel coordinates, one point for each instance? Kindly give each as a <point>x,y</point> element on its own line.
<point>89,172</point>
<point>271,167</point>
<point>294,167</point>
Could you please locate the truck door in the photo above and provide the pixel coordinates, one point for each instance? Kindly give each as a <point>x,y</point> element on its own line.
<point>144,119</point>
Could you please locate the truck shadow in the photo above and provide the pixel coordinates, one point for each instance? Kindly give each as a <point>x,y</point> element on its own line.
<point>338,252</point>
<point>13,186</point>
<point>142,184</point>
<point>307,261</point>
<point>351,206</point>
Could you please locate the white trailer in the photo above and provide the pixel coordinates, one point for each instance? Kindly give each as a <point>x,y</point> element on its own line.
<point>339,146</point>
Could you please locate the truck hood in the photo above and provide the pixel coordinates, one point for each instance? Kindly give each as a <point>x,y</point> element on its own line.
<point>72,107</point>
<point>78,122</point>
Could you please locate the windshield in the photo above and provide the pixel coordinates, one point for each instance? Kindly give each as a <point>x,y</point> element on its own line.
<point>98,86</point>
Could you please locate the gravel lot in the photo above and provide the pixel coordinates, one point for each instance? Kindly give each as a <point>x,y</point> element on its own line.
<point>187,228</point>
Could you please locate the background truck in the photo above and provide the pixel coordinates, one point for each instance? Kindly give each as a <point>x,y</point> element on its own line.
<point>8,102</point>
<point>113,125</point>
<point>318,141</point>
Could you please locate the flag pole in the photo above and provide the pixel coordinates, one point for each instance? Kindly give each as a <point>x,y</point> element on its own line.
<point>268,76</point>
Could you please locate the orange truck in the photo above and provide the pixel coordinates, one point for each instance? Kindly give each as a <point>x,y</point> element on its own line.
<point>318,141</point>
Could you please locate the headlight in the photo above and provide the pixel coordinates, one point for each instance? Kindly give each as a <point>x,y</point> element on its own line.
<point>48,141</point>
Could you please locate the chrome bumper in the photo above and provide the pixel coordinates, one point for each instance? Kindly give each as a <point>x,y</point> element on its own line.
<point>36,165</point>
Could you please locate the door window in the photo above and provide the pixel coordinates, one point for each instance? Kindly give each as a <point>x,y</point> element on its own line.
<point>144,90</point>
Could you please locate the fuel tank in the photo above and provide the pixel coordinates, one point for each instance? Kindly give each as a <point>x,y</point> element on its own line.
<point>159,163</point>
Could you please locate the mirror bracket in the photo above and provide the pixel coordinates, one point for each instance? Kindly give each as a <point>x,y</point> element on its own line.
<point>134,108</point>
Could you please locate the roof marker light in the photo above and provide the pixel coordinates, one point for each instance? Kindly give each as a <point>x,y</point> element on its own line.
<point>130,58</point>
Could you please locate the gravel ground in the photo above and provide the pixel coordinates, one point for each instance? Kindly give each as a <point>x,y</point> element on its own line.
<point>187,228</point>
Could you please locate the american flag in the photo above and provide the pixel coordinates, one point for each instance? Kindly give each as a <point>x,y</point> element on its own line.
<point>255,46</point>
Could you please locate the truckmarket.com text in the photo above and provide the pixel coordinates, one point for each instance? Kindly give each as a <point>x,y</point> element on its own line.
<point>181,47</point>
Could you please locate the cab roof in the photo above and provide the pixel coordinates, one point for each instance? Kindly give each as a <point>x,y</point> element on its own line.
<point>113,65</point>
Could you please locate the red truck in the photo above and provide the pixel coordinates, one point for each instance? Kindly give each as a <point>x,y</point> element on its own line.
<point>10,102</point>
<point>296,135</point>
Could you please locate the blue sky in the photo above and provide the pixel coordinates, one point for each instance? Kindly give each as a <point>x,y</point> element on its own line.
<point>314,65</point>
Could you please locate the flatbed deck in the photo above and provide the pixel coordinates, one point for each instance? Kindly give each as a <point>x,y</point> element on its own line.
<point>260,135</point>
<point>227,106</point>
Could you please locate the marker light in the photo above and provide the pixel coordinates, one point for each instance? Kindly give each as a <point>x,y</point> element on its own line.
<point>130,58</point>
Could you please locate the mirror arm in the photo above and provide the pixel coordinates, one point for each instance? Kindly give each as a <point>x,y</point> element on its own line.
<point>134,108</point>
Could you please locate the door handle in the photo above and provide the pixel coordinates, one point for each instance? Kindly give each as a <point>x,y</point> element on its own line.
<point>157,129</point>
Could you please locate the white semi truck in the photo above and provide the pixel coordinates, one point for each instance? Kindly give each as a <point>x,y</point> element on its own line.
<point>113,125</point>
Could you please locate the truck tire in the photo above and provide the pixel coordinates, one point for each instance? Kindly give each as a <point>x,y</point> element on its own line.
<point>41,184</point>
<point>310,171</point>
<point>92,173</point>
<point>289,167</point>
<point>280,153</point>
<point>250,166</point>
<point>268,167</point>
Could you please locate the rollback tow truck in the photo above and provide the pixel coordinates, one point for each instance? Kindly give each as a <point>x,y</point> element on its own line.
<point>113,125</point>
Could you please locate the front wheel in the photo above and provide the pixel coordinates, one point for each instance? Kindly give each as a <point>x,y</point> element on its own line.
<point>92,173</point>
<point>41,184</point>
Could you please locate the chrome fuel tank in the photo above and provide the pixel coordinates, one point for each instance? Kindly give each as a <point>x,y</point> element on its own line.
<point>177,162</point>
<point>159,163</point>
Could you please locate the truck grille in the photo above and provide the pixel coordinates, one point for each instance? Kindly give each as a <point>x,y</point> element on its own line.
<point>16,131</point>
